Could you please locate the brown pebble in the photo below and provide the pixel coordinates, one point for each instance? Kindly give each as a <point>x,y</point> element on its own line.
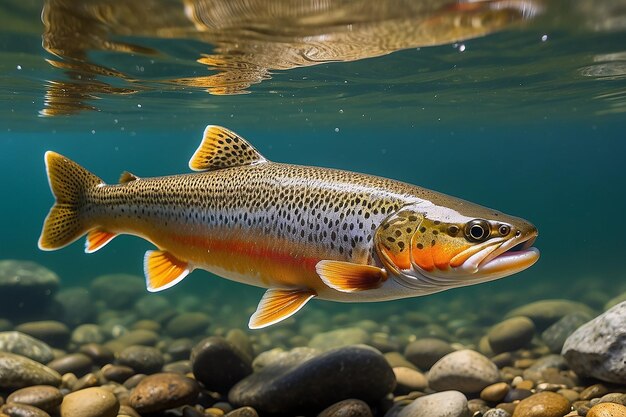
<point>117,373</point>
<point>525,384</point>
<point>214,411</point>
<point>44,397</point>
<point>523,363</point>
<point>408,380</point>
<point>508,407</point>
<point>90,402</point>
<point>607,410</point>
<point>22,410</point>
<point>594,391</point>
<point>244,412</point>
<point>495,392</point>
<point>76,363</point>
<point>614,397</point>
<point>582,407</point>
<point>132,382</point>
<point>86,381</point>
<point>543,404</point>
<point>101,355</point>
<point>345,408</point>
<point>570,394</point>
<point>163,391</point>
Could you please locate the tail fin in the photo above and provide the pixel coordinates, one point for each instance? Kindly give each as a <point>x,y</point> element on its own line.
<point>68,182</point>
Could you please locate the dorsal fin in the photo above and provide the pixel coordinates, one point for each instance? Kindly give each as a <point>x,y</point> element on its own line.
<point>127,177</point>
<point>222,148</point>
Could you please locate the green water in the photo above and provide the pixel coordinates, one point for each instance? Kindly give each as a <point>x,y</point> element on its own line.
<point>528,119</point>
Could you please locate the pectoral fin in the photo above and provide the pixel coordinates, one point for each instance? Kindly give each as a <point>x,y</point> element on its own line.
<point>96,239</point>
<point>350,277</point>
<point>163,270</point>
<point>278,304</point>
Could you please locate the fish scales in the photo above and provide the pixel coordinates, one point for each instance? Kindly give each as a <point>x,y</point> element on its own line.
<point>299,231</point>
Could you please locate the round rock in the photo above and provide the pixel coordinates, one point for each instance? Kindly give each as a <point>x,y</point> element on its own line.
<point>218,364</point>
<point>18,372</point>
<point>292,386</point>
<point>52,332</point>
<point>423,353</point>
<point>441,404</point>
<point>25,345</point>
<point>45,397</point>
<point>76,306</point>
<point>188,325</point>
<point>90,402</point>
<point>163,391</point>
<point>21,410</point>
<point>543,404</point>
<point>464,370</point>
<point>87,333</point>
<point>26,288</point>
<point>545,312</point>
<point>143,359</point>
<point>607,410</point>
<point>511,334</point>
<point>347,408</point>
<point>78,364</point>
<point>495,392</point>
<point>409,380</point>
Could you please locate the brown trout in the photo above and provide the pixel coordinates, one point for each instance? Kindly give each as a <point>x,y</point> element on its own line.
<point>300,231</point>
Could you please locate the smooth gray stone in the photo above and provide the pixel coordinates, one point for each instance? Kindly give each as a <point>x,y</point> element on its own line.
<point>291,386</point>
<point>598,348</point>
<point>441,404</point>
<point>25,345</point>
<point>18,372</point>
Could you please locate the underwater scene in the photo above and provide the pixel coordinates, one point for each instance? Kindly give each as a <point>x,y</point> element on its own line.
<point>392,208</point>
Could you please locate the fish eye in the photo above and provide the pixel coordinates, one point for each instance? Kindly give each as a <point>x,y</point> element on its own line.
<point>477,230</point>
<point>504,229</point>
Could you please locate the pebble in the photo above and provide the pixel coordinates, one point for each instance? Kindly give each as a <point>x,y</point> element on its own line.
<point>25,345</point>
<point>465,370</point>
<point>180,349</point>
<point>291,385</point>
<point>99,354</point>
<point>495,392</point>
<point>607,410</point>
<point>395,359</point>
<point>44,397</point>
<point>339,338</point>
<point>543,404</point>
<point>90,402</point>
<point>143,359</point>
<point>76,363</point>
<point>117,373</point>
<point>441,404</point>
<point>408,380</point>
<point>22,410</point>
<point>497,412</point>
<point>511,334</point>
<point>597,349</point>
<point>87,333</point>
<point>594,391</point>
<point>188,325</point>
<point>134,337</point>
<point>546,312</point>
<point>54,333</point>
<point>76,305</point>
<point>163,391</point>
<point>345,408</point>
<point>18,372</point>
<point>218,364</point>
<point>423,353</point>
<point>516,394</point>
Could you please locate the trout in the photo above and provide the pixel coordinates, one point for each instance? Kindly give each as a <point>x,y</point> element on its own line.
<point>299,231</point>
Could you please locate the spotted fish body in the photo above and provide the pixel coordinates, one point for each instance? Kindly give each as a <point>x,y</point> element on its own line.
<point>299,231</point>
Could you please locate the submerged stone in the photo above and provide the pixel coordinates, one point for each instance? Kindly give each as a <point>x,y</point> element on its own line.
<point>26,288</point>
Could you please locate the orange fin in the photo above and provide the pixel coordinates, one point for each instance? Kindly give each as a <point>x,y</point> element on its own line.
<point>222,148</point>
<point>278,304</point>
<point>96,239</point>
<point>127,177</point>
<point>350,277</point>
<point>163,270</point>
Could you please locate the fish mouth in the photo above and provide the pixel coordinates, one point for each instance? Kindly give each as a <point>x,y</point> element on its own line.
<point>510,257</point>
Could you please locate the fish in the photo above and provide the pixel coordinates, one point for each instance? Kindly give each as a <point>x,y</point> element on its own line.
<point>301,232</point>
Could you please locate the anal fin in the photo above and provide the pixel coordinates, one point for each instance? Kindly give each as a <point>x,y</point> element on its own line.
<point>96,239</point>
<point>350,277</point>
<point>163,270</point>
<point>278,304</point>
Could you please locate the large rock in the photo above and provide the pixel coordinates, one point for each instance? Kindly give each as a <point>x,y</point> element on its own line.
<point>218,364</point>
<point>75,306</point>
<point>18,371</point>
<point>52,332</point>
<point>464,370</point>
<point>118,291</point>
<point>511,334</point>
<point>423,353</point>
<point>163,391</point>
<point>25,345</point>
<point>291,385</point>
<point>546,312</point>
<point>598,348</point>
<point>26,289</point>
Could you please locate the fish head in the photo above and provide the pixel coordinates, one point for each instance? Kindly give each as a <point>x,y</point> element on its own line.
<point>434,247</point>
